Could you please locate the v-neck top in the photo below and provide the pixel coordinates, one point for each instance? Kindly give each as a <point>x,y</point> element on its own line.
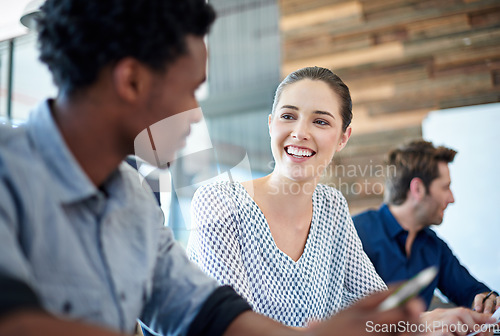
<point>232,242</point>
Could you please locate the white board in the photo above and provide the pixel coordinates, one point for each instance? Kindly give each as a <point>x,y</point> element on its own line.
<point>471,225</point>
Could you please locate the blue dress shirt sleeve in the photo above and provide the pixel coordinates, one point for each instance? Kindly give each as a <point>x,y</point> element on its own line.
<point>455,281</point>
<point>15,272</point>
<point>13,263</point>
<point>179,290</point>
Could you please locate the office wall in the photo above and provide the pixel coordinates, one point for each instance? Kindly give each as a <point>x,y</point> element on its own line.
<point>471,225</point>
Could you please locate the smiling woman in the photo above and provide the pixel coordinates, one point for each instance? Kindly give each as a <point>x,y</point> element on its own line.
<point>285,242</point>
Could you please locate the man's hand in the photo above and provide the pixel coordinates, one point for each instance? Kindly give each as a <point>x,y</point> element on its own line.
<point>455,321</point>
<point>489,306</point>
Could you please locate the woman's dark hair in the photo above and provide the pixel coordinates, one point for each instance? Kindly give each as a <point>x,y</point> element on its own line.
<point>77,38</point>
<point>327,76</point>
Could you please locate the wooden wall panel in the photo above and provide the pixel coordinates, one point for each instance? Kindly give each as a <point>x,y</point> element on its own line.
<point>351,11</point>
<point>401,60</point>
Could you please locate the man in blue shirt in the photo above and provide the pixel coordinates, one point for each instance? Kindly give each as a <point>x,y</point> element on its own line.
<point>84,251</point>
<point>397,238</point>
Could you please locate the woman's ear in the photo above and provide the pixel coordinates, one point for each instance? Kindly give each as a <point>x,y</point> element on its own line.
<point>270,118</point>
<point>344,138</point>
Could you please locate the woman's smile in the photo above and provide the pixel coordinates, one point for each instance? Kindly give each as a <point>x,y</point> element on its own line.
<point>298,153</point>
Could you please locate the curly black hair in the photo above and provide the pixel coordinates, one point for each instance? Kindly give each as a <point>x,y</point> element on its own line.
<point>77,38</point>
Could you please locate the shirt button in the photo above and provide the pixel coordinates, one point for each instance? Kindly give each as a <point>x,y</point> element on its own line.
<point>123,297</point>
<point>67,307</point>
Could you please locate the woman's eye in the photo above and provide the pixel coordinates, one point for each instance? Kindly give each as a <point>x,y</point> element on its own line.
<point>322,122</point>
<point>287,116</point>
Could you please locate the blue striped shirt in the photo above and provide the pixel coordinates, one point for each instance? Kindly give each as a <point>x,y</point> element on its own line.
<point>100,255</point>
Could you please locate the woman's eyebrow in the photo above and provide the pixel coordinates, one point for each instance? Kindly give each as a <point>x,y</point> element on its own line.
<point>324,113</point>
<point>291,107</point>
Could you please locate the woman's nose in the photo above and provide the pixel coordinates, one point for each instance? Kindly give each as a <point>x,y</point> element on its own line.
<point>300,131</point>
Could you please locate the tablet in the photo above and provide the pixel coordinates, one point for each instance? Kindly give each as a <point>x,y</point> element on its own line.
<point>409,289</point>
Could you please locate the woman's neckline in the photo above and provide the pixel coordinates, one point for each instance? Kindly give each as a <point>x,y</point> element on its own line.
<point>267,228</point>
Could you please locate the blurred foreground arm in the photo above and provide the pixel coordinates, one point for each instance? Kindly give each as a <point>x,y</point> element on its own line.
<point>27,323</point>
<point>354,321</point>
<point>21,314</point>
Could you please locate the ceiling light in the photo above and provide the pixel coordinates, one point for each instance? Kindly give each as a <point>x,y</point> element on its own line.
<point>30,12</point>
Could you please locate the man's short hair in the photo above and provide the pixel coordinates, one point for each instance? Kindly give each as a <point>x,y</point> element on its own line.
<point>415,159</point>
<point>78,38</point>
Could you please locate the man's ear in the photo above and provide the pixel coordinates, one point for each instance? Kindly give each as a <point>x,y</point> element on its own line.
<point>344,138</point>
<point>131,79</point>
<point>417,188</point>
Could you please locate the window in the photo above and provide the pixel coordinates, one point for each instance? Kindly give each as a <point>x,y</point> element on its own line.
<point>31,80</point>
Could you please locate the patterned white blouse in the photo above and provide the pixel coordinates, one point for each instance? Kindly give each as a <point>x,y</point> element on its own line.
<point>231,241</point>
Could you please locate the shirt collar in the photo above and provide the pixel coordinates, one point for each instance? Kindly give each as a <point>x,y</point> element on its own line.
<point>391,224</point>
<point>68,177</point>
